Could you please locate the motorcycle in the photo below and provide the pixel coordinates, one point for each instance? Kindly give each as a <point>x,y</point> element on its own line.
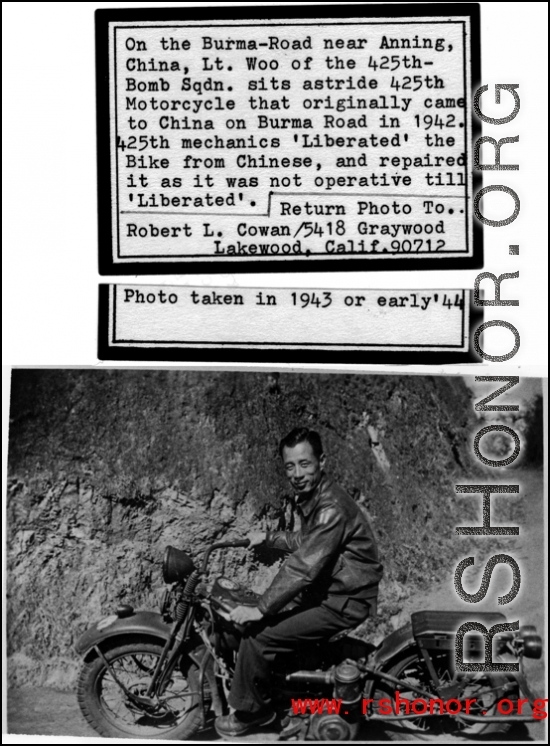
<point>162,674</point>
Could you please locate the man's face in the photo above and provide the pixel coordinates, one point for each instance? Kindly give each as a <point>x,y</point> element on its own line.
<point>302,467</point>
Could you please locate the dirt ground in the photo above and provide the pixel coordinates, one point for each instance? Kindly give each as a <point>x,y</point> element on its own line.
<point>54,713</point>
<point>48,712</point>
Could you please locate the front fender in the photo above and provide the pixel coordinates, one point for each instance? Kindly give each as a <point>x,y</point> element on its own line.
<point>140,622</point>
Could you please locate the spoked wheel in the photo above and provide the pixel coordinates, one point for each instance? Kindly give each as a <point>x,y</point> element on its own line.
<point>175,714</point>
<point>483,687</point>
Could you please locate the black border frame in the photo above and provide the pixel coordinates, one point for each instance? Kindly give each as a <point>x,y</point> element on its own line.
<point>102,19</point>
<point>223,352</point>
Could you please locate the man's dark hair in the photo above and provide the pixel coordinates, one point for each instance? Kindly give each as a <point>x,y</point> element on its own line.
<point>301,435</point>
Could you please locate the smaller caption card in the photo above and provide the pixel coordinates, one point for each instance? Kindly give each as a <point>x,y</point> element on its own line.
<point>153,322</point>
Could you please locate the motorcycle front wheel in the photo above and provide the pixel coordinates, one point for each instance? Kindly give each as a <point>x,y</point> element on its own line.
<point>483,687</point>
<point>176,714</point>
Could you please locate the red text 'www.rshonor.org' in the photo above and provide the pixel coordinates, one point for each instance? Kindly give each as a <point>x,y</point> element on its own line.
<point>402,705</point>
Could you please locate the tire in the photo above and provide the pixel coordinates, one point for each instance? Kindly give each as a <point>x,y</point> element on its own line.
<point>412,668</point>
<point>111,714</point>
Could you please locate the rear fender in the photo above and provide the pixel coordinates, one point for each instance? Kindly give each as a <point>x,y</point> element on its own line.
<point>390,650</point>
<point>402,641</point>
<point>140,623</point>
<point>393,646</point>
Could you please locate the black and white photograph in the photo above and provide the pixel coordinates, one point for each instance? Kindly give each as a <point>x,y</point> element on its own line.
<point>199,555</point>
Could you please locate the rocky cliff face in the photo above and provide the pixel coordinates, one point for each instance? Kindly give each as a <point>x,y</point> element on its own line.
<point>108,467</point>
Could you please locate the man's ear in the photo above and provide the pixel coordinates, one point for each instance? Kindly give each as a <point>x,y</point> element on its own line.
<point>322,460</point>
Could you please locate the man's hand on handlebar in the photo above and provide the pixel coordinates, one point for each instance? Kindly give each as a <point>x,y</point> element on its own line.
<point>245,614</point>
<point>256,538</point>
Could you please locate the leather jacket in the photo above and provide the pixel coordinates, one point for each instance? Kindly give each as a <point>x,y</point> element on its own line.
<point>333,555</point>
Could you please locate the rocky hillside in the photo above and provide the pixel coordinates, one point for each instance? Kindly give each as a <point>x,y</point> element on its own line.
<point>108,467</point>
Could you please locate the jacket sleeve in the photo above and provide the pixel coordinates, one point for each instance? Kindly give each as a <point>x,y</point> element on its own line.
<point>287,541</point>
<point>318,546</point>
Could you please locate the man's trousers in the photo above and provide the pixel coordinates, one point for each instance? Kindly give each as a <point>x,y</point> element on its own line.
<point>285,633</point>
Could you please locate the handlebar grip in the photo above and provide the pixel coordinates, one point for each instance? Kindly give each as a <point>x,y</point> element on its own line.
<point>229,544</point>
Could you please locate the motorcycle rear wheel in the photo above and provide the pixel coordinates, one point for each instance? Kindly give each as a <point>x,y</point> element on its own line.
<point>413,669</point>
<point>112,714</point>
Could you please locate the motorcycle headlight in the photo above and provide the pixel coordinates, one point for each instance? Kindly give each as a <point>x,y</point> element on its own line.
<point>176,565</point>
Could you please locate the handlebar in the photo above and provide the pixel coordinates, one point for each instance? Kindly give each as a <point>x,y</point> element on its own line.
<point>222,545</point>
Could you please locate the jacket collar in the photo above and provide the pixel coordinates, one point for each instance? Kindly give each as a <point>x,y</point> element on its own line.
<point>307,506</point>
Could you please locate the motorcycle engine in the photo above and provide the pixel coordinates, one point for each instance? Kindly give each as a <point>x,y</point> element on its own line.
<point>342,725</point>
<point>347,691</point>
<point>329,728</point>
<point>231,594</point>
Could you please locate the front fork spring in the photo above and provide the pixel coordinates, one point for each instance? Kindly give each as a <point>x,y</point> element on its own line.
<point>183,604</point>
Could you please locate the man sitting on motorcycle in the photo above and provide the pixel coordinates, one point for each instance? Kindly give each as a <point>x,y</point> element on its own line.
<point>331,577</point>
